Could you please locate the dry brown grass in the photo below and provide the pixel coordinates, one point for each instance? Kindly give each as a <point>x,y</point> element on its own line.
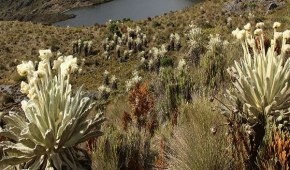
<point>198,142</point>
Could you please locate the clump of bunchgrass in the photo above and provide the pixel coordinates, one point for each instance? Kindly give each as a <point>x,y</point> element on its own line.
<point>194,144</point>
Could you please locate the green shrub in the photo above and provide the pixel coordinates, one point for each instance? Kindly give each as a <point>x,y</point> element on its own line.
<point>155,24</point>
<point>114,28</point>
<point>166,62</point>
<point>126,19</point>
<point>250,5</point>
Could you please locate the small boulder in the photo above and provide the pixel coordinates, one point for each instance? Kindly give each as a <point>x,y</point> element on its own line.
<point>6,99</point>
<point>272,6</point>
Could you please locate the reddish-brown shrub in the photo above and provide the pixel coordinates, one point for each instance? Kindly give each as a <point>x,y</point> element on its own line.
<point>126,120</point>
<point>142,104</point>
<point>280,147</point>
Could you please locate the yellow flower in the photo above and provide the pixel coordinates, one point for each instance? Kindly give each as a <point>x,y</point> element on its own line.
<point>258,31</point>
<point>278,35</point>
<point>239,34</point>
<point>260,25</point>
<point>286,34</point>
<point>276,25</point>
<point>286,47</point>
<point>45,54</point>
<point>25,68</point>
<point>247,27</point>
<point>24,87</point>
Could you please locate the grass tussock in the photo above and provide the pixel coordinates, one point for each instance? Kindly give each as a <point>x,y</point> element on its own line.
<point>198,142</point>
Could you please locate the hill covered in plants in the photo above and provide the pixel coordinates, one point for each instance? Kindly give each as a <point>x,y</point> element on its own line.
<point>42,11</point>
<point>202,88</point>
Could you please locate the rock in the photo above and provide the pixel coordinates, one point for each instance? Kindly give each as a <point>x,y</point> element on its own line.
<point>6,99</point>
<point>24,3</point>
<point>46,6</point>
<point>272,6</point>
<point>11,64</point>
<point>34,11</point>
<point>27,3</point>
<point>3,67</point>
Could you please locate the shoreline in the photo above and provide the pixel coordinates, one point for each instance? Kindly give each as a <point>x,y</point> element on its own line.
<point>120,19</point>
<point>70,16</point>
<point>48,18</point>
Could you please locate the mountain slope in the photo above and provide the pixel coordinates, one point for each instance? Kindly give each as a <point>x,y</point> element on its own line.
<point>44,11</point>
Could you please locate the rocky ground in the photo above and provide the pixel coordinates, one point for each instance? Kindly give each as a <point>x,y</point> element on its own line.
<point>239,6</point>
<point>42,11</point>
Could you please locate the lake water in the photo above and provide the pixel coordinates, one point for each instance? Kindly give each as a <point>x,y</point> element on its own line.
<point>119,9</point>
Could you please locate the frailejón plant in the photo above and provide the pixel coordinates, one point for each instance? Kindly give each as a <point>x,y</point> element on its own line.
<point>55,122</point>
<point>262,76</point>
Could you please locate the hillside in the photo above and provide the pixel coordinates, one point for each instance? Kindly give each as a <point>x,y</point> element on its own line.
<point>43,11</point>
<point>165,85</point>
<point>22,40</point>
